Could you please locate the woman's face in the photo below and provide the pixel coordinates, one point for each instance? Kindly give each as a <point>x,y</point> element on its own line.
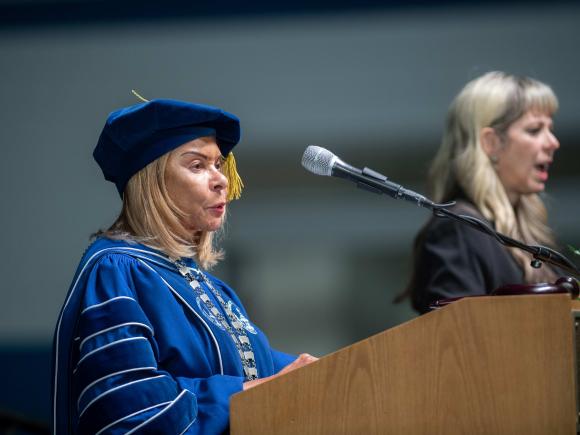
<point>525,154</point>
<point>195,183</point>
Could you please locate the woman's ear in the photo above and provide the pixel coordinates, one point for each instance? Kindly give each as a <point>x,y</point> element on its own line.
<point>490,142</point>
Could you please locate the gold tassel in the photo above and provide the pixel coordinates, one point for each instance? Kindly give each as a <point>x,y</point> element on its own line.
<point>234,180</point>
<point>134,92</point>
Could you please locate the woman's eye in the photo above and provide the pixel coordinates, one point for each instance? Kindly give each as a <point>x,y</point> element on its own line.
<point>196,166</point>
<point>534,131</point>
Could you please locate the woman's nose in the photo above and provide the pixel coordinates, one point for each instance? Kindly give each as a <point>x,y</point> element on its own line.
<point>218,180</point>
<point>552,142</point>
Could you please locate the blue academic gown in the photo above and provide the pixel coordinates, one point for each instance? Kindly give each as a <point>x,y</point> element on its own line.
<point>136,351</point>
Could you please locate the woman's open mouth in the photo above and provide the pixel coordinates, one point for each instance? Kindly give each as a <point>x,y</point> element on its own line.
<point>218,208</point>
<point>542,169</point>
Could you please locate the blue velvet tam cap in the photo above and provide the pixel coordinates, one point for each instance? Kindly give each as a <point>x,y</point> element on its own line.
<point>135,136</point>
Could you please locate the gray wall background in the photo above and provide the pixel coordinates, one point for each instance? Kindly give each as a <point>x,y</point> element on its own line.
<point>316,261</point>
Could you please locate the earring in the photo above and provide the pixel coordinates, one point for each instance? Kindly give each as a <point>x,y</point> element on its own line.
<point>494,159</point>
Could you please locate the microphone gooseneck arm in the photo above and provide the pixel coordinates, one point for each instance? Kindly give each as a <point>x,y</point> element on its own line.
<point>375,182</point>
<point>539,253</point>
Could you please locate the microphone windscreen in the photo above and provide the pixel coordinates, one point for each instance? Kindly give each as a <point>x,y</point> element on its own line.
<point>318,160</point>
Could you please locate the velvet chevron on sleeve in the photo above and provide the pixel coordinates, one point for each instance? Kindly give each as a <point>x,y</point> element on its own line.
<point>136,352</point>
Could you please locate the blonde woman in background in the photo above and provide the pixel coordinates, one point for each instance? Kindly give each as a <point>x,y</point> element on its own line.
<point>494,160</point>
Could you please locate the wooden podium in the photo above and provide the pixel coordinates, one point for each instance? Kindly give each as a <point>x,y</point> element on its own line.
<point>483,365</point>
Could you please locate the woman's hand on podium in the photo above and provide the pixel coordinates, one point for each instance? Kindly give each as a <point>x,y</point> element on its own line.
<point>302,360</point>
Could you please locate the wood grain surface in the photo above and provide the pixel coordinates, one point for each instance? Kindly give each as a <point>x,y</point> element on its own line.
<point>488,365</point>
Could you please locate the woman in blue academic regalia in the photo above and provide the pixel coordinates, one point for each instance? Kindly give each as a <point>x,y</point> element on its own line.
<point>147,340</point>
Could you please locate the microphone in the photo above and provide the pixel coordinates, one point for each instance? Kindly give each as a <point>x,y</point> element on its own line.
<point>320,161</point>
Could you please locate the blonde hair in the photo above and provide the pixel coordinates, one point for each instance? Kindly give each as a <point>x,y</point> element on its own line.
<point>494,100</point>
<point>149,216</point>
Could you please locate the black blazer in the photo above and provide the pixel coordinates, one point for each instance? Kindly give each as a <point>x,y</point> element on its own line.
<point>453,259</point>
